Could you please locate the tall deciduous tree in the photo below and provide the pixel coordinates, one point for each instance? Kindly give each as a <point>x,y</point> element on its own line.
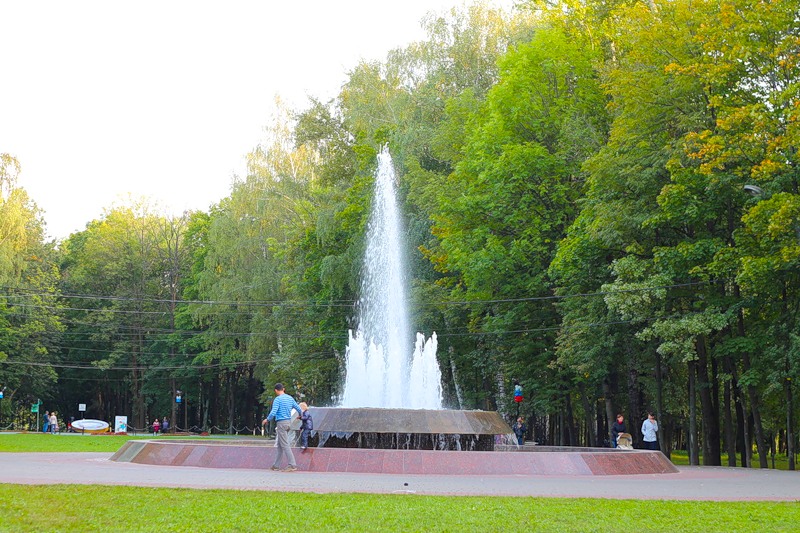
<point>30,325</point>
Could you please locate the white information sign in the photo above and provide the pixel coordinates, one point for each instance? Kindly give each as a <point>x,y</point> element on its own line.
<point>120,424</point>
<point>82,407</point>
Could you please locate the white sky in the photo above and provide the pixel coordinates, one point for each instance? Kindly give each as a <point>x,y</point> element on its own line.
<point>101,99</point>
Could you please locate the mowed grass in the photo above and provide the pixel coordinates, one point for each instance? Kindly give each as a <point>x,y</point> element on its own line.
<point>681,457</point>
<point>111,508</point>
<point>44,442</point>
<point>115,508</point>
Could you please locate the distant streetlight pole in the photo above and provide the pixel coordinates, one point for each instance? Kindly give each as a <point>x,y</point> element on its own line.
<point>756,191</point>
<point>174,418</point>
<point>178,401</point>
<point>2,394</point>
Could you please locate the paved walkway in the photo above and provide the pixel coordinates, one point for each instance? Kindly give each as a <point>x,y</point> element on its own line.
<point>691,483</point>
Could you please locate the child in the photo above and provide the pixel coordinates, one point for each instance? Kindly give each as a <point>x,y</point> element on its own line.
<point>520,429</point>
<point>306,425</point>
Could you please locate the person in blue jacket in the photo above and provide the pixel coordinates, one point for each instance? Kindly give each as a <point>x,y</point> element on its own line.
<point>306,425</point>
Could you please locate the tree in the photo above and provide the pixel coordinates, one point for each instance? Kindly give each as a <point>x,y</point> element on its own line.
<point>30,324</point>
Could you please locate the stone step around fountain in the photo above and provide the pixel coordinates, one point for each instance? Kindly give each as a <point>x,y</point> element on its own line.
<point>388,420</point>
<point>260,454</point>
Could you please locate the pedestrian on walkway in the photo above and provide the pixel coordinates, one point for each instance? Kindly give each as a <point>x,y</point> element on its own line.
<point>649,430</point>
<point>617,428</point>
<point>520,429</point>
<point>281,412</point>
<point>306,425</point>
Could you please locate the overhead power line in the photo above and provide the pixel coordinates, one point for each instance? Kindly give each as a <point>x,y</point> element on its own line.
<point>312,304</point>
<point>267,357</point>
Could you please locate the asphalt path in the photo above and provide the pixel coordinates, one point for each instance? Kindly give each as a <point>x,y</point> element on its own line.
<point>690,483</point>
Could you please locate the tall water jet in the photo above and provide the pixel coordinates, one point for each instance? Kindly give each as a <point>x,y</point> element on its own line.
<point>385,367</point>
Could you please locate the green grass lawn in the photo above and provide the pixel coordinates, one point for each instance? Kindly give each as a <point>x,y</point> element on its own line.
<point>44,442</point>
<point>111,508</point>
<point>681,457</point>
<point>108,508</point>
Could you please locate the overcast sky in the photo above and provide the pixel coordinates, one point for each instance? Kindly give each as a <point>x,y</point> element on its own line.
<point>103,99</point>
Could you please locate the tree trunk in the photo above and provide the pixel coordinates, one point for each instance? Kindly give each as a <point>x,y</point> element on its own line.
<point>251,401</point>
<point>733,434</point>
<point>214,400</point>
<point>230,379</point>
<point>752,395</point>
<point>715,387</point>
<point>694,450</point>
<point>637,412</point>
<point>730,435</point>
<point>138,399</point>
<point>660,407</point>
<point>609,407</point>
<point>742,426</point>
<point>591,431</point>
<point>711,444</point>
<point>787,385</point>
<point>570,422</point>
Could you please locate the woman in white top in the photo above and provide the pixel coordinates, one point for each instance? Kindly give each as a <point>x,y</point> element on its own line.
<point>649,430</point>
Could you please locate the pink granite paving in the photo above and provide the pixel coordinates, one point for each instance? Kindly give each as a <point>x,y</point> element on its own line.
<point>553,461</point>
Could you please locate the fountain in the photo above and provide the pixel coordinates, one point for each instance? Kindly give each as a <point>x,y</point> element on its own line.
<point>390,418</point>
<point>392,395</point>
<point>381,370</point>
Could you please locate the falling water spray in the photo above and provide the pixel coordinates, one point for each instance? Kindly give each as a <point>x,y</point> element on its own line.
<point>386,365</point>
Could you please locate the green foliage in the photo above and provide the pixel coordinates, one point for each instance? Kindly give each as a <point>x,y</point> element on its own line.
<point>30,322</point>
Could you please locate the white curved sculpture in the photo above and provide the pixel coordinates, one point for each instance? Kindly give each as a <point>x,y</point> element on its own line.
<point>90,425</point>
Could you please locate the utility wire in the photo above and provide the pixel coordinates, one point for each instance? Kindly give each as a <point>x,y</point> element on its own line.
<point>335,303</point>
<point>267,357</point>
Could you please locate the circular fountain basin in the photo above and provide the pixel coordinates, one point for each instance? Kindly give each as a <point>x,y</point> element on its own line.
<point>260,454</point>
<point>408,429</point>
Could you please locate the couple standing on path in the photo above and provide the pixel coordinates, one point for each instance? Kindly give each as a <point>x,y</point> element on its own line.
<point>50,422</point>
<point>281,411</point>
<point>649,430</point>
